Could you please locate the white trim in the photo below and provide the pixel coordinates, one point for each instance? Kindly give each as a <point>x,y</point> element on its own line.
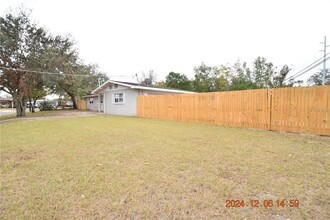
<point>99,103</point>
<point>162,90</point>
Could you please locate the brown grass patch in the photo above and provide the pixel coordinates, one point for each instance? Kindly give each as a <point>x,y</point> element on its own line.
<point>121,167</point>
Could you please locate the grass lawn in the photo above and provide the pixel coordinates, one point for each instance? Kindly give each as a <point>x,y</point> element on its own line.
<point>126,167</point>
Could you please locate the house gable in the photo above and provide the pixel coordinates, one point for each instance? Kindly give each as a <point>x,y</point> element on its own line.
<point>110,85</point>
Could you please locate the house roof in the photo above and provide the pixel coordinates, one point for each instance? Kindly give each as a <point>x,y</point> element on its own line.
<point>6,99</point>
<point>137,86</point>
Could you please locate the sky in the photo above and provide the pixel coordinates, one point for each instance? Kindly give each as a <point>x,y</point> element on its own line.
<point>127,37</point>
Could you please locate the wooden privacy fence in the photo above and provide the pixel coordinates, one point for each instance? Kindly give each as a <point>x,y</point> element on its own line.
<point>297,109</point>
<point>82,105</point>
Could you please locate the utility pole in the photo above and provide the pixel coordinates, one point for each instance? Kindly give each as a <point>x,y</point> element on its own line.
<point>100,80</point>
<point>324,60</point>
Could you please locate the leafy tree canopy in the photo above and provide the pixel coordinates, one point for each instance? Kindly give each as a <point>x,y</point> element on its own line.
<point>22,45</point>
<point>317,78</point>
<point>26,50</point>
<point>178,81</point>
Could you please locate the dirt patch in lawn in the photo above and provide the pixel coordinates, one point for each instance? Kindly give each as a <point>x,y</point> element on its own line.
<point>50,115</point>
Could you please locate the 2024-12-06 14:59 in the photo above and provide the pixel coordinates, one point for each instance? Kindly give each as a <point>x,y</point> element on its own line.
<point>267,203</point>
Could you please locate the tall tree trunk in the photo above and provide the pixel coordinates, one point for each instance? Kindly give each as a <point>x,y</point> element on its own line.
<point>73,99</point>
<point>31,105</point>
<point>20,106</point>
<point>34,104</point>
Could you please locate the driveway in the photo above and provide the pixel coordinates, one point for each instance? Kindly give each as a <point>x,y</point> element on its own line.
<point>51,115</point>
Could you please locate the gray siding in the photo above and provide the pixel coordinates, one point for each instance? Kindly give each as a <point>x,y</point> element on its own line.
<point>127,108</point>
<point>92,106</point>
<point>95,105</point>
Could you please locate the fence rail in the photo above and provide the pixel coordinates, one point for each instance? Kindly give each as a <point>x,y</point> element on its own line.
<point>297,109</point>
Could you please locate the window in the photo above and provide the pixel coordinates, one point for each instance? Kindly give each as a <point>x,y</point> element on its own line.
<point>118,98</point>
<point>115,86</point>
<point>110,86</point>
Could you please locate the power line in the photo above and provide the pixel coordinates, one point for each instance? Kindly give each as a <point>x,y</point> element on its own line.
<point>307,70</point>
<point>294,75</point>
<point>42,72</point>
<point>50,73</point>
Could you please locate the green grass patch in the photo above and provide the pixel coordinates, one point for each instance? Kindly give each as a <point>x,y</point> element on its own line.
<point>127,167</point>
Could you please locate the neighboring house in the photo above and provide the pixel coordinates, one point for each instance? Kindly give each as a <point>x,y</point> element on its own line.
<point>120,98</point>
<point>6,103</point>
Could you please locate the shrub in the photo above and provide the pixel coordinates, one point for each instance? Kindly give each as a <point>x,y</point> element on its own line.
<point>46,106</point>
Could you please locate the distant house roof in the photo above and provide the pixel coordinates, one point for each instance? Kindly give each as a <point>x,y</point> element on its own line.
<point>138,86</point>
<point>6,99</point>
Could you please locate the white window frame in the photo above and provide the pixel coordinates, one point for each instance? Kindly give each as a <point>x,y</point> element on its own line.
<point>118,102</point>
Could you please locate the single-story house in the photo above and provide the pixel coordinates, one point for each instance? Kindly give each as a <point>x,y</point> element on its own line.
<point>6,103</point>
<point>120,98</point>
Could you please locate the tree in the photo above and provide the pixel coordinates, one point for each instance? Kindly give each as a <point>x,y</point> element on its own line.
<point>147,78</point>
<point>37,92</point>
<point>25,47</point>
<point>317,78</point>
<point>178,81</point>
<point>205,79</point>
<point>279,80</point>
<point>62,60</point>
<point>242,78</point>
<point>223,74</point>
<point>73,77</point>
<point>161,84</point>
<point>92,79</point>
<point>263,73</point>
<point>22,45</point>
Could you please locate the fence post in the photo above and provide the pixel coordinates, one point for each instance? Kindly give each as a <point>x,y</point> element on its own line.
<point>270,106</point>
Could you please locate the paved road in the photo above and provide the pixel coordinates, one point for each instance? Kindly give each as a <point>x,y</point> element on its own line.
<point>7,111</point>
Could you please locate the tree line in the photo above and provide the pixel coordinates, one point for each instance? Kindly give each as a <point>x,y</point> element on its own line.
<point>239,76</point>
<point>34,63</point>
